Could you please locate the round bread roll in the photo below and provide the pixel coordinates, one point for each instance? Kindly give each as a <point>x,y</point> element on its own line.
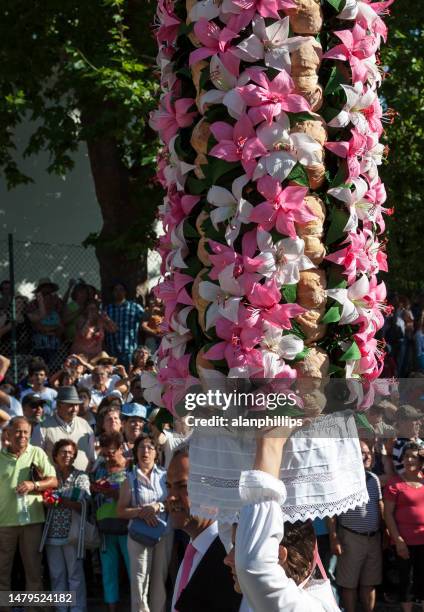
<point>309,88</point>
<point>314,249</point>
<point>316,175</point>
<point>306,18</point>
<point>310,326</point>
<point>200,136</point>
<point>200,303</point>
<point>317,208</point>
<point>305,59</point>
<point>202,253</point>
<point>315,128</point>
<point>200,220</point>
<point>315,364</point>
<point>311,289</point>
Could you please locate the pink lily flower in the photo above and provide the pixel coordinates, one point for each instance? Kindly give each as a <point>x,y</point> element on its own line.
<point>351,151</point>
<point>376,196</point>
<point>215,41</point>
<point>265,299</point>
<point>172,291</point>
<point>177,381</point>
<point>282,208</point>
<point>237,346</point>
<point>356,48</point>
<point>225,256</point>
<point>265,8</point>
<point>366,13</point>
<point>270,98</point>
<point>171,116</point>
<point>169,23</point>
<point>176,207</point>
<point>238,143</point>
<point>363,254</point>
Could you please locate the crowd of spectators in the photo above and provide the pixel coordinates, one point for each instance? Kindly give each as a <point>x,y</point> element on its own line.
<point>81,446</point>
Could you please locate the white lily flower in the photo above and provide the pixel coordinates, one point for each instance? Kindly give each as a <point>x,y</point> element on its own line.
<point>176,341</point>
<point>175,258</point>
<point>371,159</point>
<point>153,388</point>
<point>230,205</point>
<point>226,89</point>
<point>352,300</point>
<point>207,9</point>
<point>270,44</point>
<point>176,170</point>
<point>359,11</point>
<point>277,347</point>
<point>283,260</point>
<point>357,205</point>
<point>285,149</point>
<point>356,102</point>
<point>225,297</point>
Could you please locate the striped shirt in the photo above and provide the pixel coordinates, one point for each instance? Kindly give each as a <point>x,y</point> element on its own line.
<point>127,317</point>
<point>397,452</point>
<point>365,518</point>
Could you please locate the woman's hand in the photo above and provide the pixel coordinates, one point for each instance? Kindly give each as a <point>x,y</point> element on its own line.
<point>148,514</point>
<point>335,546</point>
<point>402,549</point>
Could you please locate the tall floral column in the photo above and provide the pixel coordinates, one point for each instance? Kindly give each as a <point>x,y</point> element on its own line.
<point>273,215</point>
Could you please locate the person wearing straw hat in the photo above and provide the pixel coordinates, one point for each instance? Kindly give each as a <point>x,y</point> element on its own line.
<point>65,423</point>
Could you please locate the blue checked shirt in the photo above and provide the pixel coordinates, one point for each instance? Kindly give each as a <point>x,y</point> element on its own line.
<point>127,317</point>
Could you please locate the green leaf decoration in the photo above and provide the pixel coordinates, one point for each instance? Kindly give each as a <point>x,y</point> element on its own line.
<point>298,117</point>
<point>217,168</point>
<point>197,186</point>
<point>340,177</point>
<point>296,330</point>
<point>302,355</point>
<point>332,315</point>
<point>289,292</point>
<point>352,354</point>
<point>335,80</point>
<point>189,231</point>
<point>194,327</point>
<point>337,4</point>
<point>298,175</point>
<point>194,266</point>
<point>336,279</point>
<point>362,422</point>
<point>336,230</point>
<point>334,369</point>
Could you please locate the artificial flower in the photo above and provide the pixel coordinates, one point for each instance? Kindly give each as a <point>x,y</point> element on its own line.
<point>231,207</point>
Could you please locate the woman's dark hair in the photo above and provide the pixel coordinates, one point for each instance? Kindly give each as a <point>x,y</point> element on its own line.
<point>413,446</point>
<point>141,438</point>
<point>299,539</point>
<point>111,439</point>
<point>36,365</point>
<point>60,444</point>
<point>63,375</point>
<point>85,390</point>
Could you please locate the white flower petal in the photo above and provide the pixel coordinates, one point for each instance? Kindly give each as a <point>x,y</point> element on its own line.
<point>219,196</point>
<point>280,164</point>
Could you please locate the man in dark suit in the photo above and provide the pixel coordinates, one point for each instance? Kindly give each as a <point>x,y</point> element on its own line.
<point>204,583</point>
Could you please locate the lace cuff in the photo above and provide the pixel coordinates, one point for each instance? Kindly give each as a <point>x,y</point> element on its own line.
<point>256,486</point>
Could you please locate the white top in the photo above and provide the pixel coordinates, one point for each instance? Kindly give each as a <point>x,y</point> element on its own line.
<point>47,394</point>
<point>263,581</point>
<point>173,441</point>
<point>14,408</point>
<point>86,380</point>
<point>201,543</point>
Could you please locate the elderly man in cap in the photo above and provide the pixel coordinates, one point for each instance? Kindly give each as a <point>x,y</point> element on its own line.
<point>21,506</point>
<point>65,423</point>
<point>408,426</point>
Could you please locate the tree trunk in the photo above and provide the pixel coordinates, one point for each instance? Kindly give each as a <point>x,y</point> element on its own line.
<point>112,183</point>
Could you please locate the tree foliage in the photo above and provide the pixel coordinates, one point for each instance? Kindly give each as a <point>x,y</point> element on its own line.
<point>83,70</point>
<point>403,91</point>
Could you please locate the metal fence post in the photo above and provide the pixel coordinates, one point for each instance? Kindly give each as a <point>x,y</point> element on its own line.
<point>13,309</point>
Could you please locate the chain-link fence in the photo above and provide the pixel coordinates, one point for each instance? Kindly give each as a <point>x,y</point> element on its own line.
<point>32,261</point>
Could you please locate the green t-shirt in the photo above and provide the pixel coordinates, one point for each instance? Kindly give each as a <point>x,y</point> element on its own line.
<point>13,471</point>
